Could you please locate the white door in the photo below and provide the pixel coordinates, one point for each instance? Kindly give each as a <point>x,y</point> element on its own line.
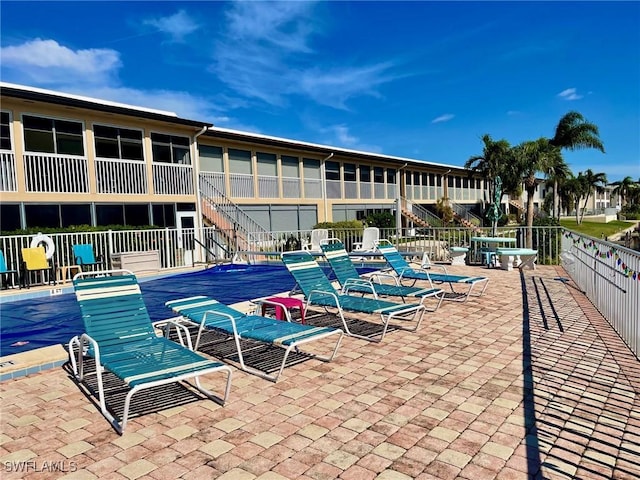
<point>186,236</point>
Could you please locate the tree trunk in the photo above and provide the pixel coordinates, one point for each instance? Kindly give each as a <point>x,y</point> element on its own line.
<point>584,209</point>
<point>529,235</point>
<point>556,203</point>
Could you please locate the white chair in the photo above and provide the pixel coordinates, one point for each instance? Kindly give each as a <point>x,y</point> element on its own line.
<point>370,238</point>
<point>317,236</point>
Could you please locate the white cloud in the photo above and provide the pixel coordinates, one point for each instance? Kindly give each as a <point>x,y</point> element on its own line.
<point>341,137</point>
<point>570,94</point>
<point>47,62</point>
<point>443,118</point>
<point>177,26</point>
<point>265,53</point>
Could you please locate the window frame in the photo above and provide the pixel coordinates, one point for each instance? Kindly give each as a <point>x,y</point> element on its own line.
<point>56,138</point>
<point>118,141</point>
<point>9,136</point>
<point>171,146</point>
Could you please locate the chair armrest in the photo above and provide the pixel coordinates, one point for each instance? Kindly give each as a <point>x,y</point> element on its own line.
<point>378,276</point>
<point>359,282</point>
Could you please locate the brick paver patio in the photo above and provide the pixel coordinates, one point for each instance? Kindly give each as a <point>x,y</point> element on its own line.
<point>528,381</point>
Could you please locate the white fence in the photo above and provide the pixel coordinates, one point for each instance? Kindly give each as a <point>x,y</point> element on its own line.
<point>609,275</point>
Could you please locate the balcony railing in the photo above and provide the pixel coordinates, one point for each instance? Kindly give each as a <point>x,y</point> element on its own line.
<point>121,176</point>
<point>52,173</point>
<point>291,187</point>
<point>312,188</point>
<point>8,182</point>
<point>267,186</point>
<point>241,185</point>
<point>172,179</point>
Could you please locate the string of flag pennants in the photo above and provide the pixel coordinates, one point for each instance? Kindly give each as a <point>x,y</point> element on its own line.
<point>604,252</point>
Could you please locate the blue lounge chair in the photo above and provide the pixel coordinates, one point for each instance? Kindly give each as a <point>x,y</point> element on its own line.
<point>210,314</point>
<point>7,274</point>
<point>404,271</point>
<point>120,337</point>
<point>351,281</point>
<point>84,256</point>
<point>318,290</point>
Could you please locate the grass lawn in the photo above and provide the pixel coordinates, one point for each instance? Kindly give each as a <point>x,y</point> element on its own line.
<point>595,229</point>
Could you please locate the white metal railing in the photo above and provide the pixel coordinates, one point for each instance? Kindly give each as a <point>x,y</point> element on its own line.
<point>215,179</point>
<point>173,179</point>
<point>334,189</point>
<point>8,182</point>
<point>291,187</point>
<point>609,275</point>
<point>267,186</point>
<point>312,188</point>
<point>241,185</point>
<point>365,191</point>
<point>106,243</point>
<point>121,176</point>
<point>350,189</point>
<point>56,173</point>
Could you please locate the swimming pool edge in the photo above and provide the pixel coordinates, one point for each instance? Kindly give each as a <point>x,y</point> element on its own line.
<point>33,361</point>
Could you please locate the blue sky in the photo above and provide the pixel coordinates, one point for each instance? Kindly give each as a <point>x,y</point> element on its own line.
<point>423,80</point>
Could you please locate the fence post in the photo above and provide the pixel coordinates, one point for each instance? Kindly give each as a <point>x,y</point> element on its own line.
<point>167,250</point>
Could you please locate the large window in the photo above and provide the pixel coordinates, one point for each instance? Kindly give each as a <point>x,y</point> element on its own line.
<point>75,214</point>
<point>9,217</point>
<point>332,170</point>
<point>114,142</point>
<point>311,168</point>
<point>378,174</point>
<point>267,164</point>
<point>5,131</point>
<point>365,174</point>
<point>349,172</point>
<point>391,176</point>
<point>240,161</point>
<point>49,135</point>
<point>290,166</point>
<point>210,158</point>
<point>170,149</point>
<point>164,215</point>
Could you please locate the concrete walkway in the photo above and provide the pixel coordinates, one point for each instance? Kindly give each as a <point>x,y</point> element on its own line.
<point>528,381</point>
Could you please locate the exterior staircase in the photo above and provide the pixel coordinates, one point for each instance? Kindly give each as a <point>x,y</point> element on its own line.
<point>419,215</point>
<point>465,218</point>
<point>516,204</point>
<point>240,232</point>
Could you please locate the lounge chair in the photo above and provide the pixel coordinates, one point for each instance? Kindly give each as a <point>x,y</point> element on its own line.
<point>210,314</point>
<point>351,281</point>
<point>35,260</point>
<point>404,271</point>
<point>7,274</point>
<point>319,291</point>
<point>317,236</point>
<point>120,337</point>
<point>83,255</point>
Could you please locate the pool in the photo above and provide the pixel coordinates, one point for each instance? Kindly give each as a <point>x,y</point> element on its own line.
<point>41,322</point>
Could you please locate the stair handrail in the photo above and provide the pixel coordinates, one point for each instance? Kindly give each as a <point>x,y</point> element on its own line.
<point>464,213</point>
<point>423,213</point>
<point>237,217</point>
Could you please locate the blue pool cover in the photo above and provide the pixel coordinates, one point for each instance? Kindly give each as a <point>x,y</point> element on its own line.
<point>40,322</point>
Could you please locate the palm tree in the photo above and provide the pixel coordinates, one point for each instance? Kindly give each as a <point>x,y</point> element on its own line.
<point>492,163</point>
<point>574,132</point>
<point>593,181</point>
<point>533,157</point>
<point>573,190</point>
<point>557,172</point>
<point>623,189</point>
